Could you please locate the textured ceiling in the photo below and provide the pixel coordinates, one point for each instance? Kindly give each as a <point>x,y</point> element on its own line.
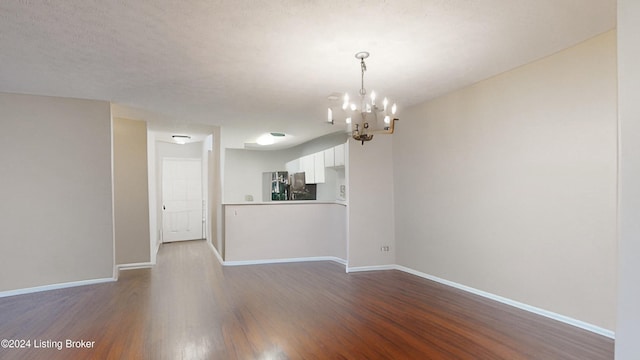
<point>256,66</point>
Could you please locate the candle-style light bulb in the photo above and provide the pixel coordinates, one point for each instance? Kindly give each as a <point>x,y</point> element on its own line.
<point>353,107</point>
<point>385,102</point>
<point>346,102</point>
<point>393,109</point>
<point>329,115</point>
<point>373,98</point>
<point>387,119</point>
<point>348,120</point>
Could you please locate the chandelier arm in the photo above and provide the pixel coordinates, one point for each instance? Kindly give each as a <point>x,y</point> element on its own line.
<point>388,131</point>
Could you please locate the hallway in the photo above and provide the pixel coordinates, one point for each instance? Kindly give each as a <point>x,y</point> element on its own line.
<point>190,307</point>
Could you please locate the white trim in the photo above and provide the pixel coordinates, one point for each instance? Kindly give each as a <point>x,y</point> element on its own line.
<point>549,314</point>
<point>338,260</point>
<point>54,287</point>
<point>133,266</point>
<point>215,251</point>
<point>113,200</point>
<point>152,191</point>
<point>372,268</point>
<point>287,260</point>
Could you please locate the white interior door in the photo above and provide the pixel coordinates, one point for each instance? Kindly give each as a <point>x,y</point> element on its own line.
<point>181,199</point>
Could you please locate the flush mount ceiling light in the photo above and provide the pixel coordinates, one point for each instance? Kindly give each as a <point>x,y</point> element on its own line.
<point>365,117</point>
<point>181,139</point>
<point>269,138</point>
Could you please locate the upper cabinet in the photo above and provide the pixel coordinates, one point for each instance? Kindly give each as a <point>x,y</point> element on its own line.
<point>329,157</point>
<point>313,165</point>
<point>318,162</point>
<point>307,166</point>
<point>339,155</point>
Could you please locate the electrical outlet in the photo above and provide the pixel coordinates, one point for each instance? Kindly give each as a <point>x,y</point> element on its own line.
<point>385,248</point>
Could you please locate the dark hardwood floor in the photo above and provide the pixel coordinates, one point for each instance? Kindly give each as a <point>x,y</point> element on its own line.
<point>190,307</point>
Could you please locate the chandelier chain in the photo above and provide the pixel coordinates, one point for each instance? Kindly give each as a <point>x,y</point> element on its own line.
<point>363,66</point>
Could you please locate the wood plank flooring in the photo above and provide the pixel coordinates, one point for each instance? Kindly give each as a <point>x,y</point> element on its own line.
<point>190,307</point>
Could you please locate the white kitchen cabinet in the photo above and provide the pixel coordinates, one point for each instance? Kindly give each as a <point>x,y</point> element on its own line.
<point>313,166</point>
<point>307,165</point>
<point>329,158</point>
<point>318,164</point>
<point>339,155</point>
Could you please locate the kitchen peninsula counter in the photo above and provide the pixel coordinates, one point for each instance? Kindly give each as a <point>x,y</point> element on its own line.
<point>284,230</point>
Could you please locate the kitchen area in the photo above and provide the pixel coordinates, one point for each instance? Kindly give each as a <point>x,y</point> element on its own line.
<point>316,176</point>
<point>286,205</point>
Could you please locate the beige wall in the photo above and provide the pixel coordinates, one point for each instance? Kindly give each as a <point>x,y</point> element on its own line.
<point>56,211</point>
<point>628,322</point>
<point>131,192</point>
<point>509,186</point>
<point>370,178</point>
<point>284,231</point>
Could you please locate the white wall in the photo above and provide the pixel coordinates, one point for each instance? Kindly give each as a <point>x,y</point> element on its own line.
<point>509,186</point>
<point>244,169</point>
<point>191,150</point>
<point>56,193</point>
<point>628,321</point>
<point>371,218</point>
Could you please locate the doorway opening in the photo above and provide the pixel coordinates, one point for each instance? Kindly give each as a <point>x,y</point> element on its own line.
<point>183,187</point>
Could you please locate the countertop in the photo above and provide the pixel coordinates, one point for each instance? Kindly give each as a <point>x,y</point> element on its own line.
<point>288,202</point>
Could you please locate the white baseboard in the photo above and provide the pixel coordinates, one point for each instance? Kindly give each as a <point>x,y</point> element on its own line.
<point>54,287</point>
<point>371,268</point>
<point>286,260</point>
<point>215,251</point>
<point>549,314</point>
<point>134,266</point>
<point>338,260</point>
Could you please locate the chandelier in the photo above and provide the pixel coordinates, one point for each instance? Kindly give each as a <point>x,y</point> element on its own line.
<point>365,117</point>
